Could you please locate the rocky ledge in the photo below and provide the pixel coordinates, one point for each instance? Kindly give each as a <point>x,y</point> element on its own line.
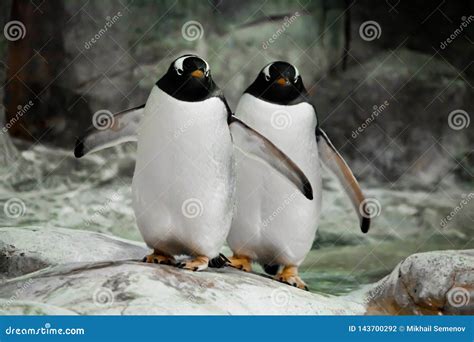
<point>63,271</point>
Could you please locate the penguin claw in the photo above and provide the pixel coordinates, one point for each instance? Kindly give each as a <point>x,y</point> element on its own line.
<point>289,276</point>
<point>242,263</point>
<point>198,264</point>
<point>156,258</point>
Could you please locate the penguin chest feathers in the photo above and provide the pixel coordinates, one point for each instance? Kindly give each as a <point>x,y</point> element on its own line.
<point>291,128</point>
<point>183,183</point>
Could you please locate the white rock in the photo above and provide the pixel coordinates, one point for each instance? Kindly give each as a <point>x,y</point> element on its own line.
<point>135,288</point>
<point>108,279</point>
<point>24,250</point>
<point>439,282</point>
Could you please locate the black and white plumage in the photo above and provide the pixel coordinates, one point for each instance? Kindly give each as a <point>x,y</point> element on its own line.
<point>183,184</point>
<point>274,224</point>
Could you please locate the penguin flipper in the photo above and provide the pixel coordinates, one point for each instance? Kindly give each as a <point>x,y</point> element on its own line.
<point>219,261</point>
<point>334,162</point>
<point>249,141</point>
<point>121,127</point>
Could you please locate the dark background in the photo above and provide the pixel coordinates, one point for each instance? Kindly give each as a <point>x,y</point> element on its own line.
<point>346,75</point>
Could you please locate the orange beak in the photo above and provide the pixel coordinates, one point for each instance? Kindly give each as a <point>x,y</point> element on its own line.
<point>197,73</point>
<point>282,81</point>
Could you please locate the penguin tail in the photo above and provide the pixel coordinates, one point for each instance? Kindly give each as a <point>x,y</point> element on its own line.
<point>219,261</point>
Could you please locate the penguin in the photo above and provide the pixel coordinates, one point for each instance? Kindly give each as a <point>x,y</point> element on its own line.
<point>184,181</point>
<point>274,224</point>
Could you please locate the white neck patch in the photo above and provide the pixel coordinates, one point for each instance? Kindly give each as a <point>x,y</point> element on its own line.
<point>297,73</point>
<point>266,71</point>
<point>178,64</point>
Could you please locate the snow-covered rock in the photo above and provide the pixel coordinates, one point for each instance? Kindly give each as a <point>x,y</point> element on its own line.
<point>136,288</point>
<point>65,271</point>
<point>440,282</point>
<point>25,250</point>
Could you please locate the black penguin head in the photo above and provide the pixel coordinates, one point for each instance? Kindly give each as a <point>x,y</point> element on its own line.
<point>278,82</point>
<point>188,79</point>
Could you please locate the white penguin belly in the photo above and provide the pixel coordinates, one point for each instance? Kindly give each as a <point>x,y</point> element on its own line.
<point>183,183</point>
<point>274,223</point>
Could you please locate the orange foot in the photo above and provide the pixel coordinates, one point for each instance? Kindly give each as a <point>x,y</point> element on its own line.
<point>158,257</point>
<point>289,275</point>
<point>199,263</point>
<point>241,262</point>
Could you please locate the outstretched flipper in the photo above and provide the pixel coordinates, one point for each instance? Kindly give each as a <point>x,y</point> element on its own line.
<point>334,162</point>
<point>117,129</point>
<point>249,141</point>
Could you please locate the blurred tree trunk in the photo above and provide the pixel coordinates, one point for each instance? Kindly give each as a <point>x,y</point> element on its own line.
<point>36,102</point>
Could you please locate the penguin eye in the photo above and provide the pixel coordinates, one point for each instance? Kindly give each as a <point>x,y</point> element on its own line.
<point>207,73</point>
<point>267,77</point>
<point>179,71</point>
